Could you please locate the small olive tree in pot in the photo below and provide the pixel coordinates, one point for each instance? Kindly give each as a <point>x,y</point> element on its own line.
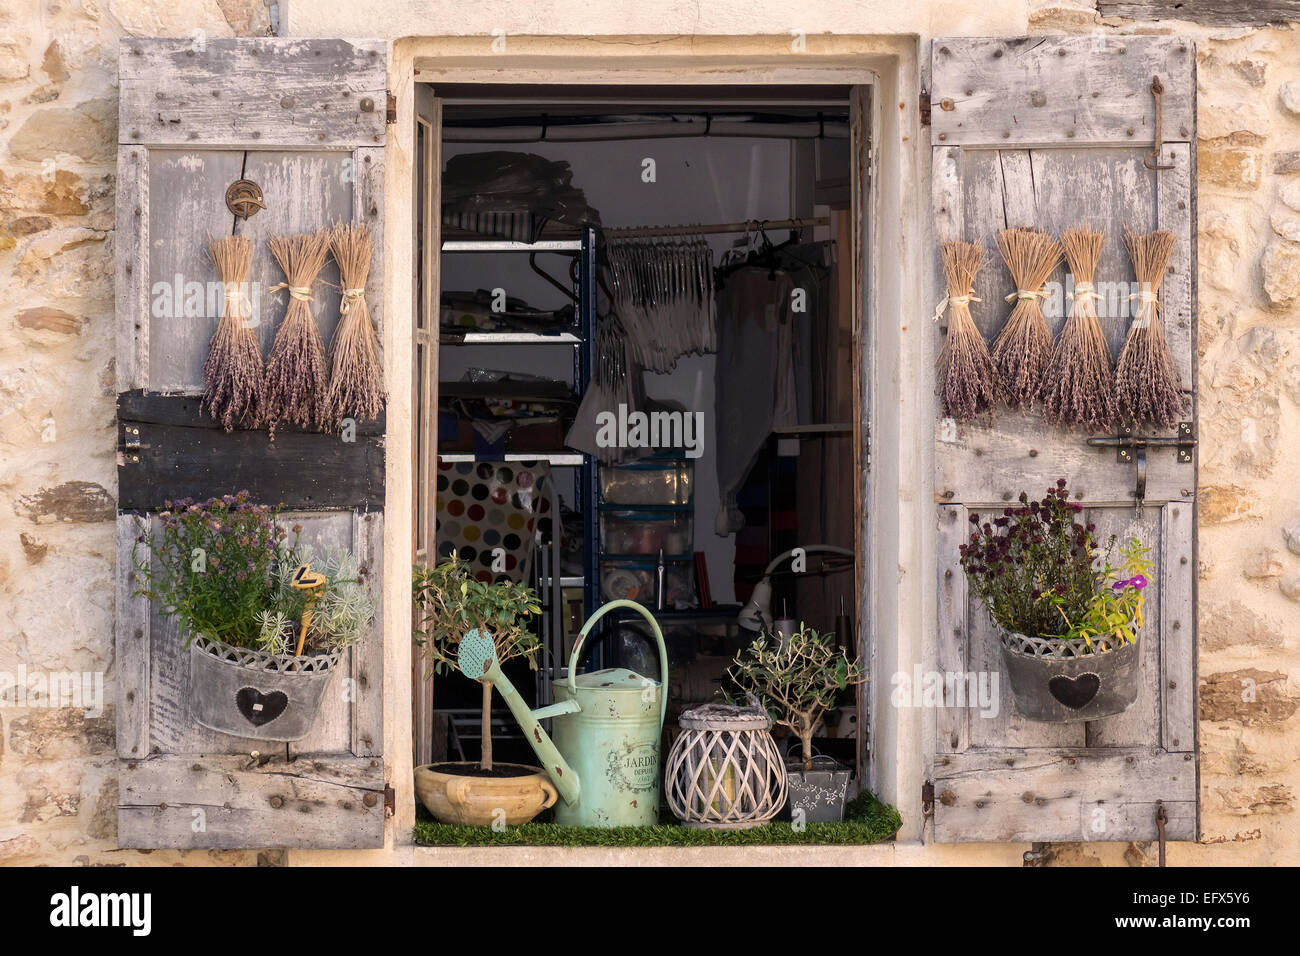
<point>450,602</point>
<point>798,678</point>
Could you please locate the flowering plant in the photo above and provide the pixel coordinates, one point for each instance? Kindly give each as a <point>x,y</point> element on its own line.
<point>222,567</point>
<point>1041,573</point>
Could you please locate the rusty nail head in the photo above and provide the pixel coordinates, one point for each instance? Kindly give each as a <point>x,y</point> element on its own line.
<point>367,105</point>
<point>277,801</point>
<point>943,136</point>
<point>1173,684</point>
<point>370,800</point>
<point>947,105</point>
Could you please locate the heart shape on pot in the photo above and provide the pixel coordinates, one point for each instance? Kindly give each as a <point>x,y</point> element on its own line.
<point>259,708</point>
<point>1074,692</point>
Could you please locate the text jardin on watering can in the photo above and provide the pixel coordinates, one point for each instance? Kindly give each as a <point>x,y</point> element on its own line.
<point>604,759</point>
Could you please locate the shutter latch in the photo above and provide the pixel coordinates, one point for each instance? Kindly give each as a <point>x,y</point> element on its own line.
<point>1162,817</point>
<point>390,800</point>
<point>1129,446</point>
<point>927,799</point>
<point>1152,159</point>
<point>925,107</point>
<point>390,109</point>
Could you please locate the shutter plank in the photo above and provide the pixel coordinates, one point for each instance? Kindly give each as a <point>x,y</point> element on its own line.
<point>1015,795</point>
<point>951,644</point>
<point>1132,728</point>
<point>1081,90</point>
<point>131,251</point>
<point>270,91</point>
<point>1174,189</point>
<point>367,731</point>
<point>1177,600</point>
<point>132,628</point>
<point>234,802</point>
<point>187,209</point>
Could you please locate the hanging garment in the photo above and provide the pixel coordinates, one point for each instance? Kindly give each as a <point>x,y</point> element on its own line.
<point>754,384</point>
<point>662,289</point>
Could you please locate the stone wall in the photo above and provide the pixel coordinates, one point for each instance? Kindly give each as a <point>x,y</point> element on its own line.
<point>57,165</point>
<point>58,158</point>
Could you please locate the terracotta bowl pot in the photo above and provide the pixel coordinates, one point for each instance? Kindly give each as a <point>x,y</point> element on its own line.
<point>453,797</point>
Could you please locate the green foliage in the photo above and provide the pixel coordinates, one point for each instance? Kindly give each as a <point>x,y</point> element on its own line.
<point>797,678</point>
<point>1041,573</point>
<point>210,566</point>
<point>450,602</point>
<point>342,611</point>
<point>223,568</point>
<point>866,820</point>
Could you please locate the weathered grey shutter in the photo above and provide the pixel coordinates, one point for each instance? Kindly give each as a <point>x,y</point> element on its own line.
<point>305,120</point>
<point>1052,132</point>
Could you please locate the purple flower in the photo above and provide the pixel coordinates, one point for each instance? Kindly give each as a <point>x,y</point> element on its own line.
<point>1138,581</point>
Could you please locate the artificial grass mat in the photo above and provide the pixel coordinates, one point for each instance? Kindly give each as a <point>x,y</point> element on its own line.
<point>866,820</point>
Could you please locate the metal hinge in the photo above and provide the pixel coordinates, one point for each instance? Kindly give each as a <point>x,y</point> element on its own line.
<point>925,107</point>
<point>131,443</point>
<point>390,109</point>
<point>390,801</point>
<point>927,799</point>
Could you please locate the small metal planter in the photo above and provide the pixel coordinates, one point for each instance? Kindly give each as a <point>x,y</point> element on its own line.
<point>248,693</point>
<point>818,792</point>
<point>1062,681</point>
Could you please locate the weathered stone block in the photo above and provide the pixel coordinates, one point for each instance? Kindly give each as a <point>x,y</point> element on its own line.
<point>1234,162</point>
<point>57,733</point>
<point>1222,504</point>
<point>87,131</point>
<point>1263,564</point>
<point>81,501</point>
<point>1235,624</point>
<point>1250,696</point>
<point>1281,268</point>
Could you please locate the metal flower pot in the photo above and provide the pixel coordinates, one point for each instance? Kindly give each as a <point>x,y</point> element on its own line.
<point>248,693</point>
<point>1061,681</point>
<point>819,791</point>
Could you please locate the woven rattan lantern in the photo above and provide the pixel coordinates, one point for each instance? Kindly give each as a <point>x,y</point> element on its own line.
<point>724,771</point>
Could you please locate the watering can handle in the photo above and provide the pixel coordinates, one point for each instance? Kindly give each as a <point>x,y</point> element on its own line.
<point>659,637</point>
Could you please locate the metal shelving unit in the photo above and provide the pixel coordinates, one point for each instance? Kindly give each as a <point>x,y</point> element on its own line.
<point>587,480</point>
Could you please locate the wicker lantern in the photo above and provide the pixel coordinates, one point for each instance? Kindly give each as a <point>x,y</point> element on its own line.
<point>724,771</point>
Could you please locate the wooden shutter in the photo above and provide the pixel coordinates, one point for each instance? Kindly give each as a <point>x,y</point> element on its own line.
<point>305,120</point>
<point>1050,132</point>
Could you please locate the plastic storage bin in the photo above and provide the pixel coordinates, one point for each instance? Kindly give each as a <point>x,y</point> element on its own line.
<point>657,482</point>
<point>634,579</point>
<point>647,532</point>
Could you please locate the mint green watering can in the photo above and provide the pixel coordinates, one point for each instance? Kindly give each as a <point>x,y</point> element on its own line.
<point>604,759</point>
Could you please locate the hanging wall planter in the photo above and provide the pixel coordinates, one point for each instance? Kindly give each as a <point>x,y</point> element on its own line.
<point>1040,571</point>
<point>1065,680</point>
<point>250,693</point>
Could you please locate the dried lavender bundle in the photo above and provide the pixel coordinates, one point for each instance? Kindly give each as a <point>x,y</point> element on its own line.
<point>1024,346</point>
<point>1079,388</point>
<point>967,379</point>
<point>296,386</point>
<point>1147,388</point>
<point>233,384</point>
<point>357,373</point>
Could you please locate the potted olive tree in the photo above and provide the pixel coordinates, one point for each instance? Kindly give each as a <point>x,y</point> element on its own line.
<point>1068,621</point>
<point>797,677</point>
<point>266,621</point>
<point>451,603</point>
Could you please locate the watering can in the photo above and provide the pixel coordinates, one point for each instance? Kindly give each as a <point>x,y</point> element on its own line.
<point>604,758</point>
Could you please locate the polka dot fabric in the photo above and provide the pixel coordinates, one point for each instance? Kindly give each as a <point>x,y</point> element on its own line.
<point>490,513</point>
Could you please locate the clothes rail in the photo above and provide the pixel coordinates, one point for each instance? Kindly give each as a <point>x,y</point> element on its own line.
<point>752,225</point>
